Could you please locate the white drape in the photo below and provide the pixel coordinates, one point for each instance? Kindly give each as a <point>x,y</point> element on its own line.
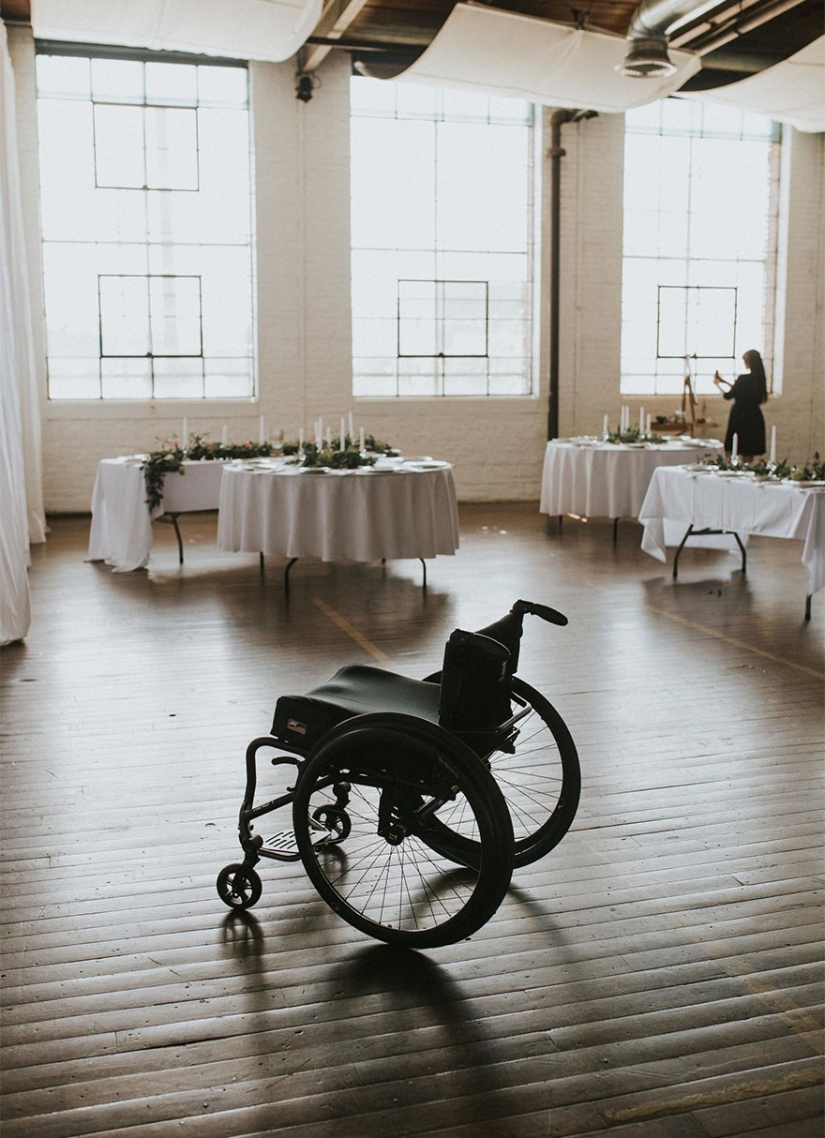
<point>21,498</point>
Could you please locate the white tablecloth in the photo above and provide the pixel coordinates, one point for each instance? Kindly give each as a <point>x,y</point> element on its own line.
<point>399,512</point>
<point>121,533</point>
<point>606,481</point>
<point>740,505</point>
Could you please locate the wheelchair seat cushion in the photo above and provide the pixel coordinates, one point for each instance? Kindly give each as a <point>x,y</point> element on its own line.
<point>301,720</point>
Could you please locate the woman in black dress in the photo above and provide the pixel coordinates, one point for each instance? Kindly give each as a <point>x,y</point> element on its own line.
<point>746,420</point>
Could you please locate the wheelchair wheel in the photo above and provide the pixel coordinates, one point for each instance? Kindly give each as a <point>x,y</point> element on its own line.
<point>539,778</point>
<point>239,886</point>
<point>392,775</point>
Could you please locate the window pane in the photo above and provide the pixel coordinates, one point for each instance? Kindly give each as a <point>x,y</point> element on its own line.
<point>171,149</point>
<point>119,146</point>
<point>124,316</point>
<point>117,80</point>
<point>126,379</point>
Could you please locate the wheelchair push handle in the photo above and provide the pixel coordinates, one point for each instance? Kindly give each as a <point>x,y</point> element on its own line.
<point>544,611</point>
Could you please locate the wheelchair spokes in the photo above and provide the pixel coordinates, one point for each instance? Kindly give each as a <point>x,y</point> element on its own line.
<point>387,878</point>
<point>540,778</point>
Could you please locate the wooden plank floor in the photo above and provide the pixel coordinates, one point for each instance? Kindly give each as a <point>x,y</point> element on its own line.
<point>659,974</point>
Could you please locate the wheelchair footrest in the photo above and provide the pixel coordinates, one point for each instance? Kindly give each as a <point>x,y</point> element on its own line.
<point>281,846</point>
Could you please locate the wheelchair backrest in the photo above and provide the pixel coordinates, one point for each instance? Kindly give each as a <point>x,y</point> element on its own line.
<point>475,683</point>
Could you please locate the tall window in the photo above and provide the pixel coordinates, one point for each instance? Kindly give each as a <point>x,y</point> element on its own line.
<point>146,214</point>
<point>700,209</point>
<point>442,293</point>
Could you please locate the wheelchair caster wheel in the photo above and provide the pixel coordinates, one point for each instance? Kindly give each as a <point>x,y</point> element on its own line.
<point>239,886</point>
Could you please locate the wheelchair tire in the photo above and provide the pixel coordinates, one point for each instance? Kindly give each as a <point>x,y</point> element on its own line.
<point>383,876</point>
<point>540,782</point>
<point>239,886</point>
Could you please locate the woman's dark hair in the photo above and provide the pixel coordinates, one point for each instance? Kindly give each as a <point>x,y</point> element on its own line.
<point>753,362</point>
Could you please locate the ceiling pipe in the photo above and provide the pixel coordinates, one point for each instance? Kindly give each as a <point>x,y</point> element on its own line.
<point>647,56</point>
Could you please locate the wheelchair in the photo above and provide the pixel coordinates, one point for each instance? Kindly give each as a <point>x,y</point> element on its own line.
<point>412,801</point>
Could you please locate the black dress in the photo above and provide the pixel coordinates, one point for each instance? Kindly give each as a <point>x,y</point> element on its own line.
<point>746,419</point>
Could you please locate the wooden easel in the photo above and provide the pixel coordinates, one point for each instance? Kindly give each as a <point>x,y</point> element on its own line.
<point>689,401</point>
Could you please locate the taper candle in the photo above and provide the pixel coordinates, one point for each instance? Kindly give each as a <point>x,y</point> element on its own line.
<point>224,436</point>
<point>185,434</point>
<point>773,444</point>
<point>605,427</point>
<point>734,453</point>
<point>361,442</point>
<point>343,439</point>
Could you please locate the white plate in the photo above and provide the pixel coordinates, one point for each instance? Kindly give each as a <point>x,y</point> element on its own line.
<point>314,470</point>
<point>731,473</point>
<point>806,483</point>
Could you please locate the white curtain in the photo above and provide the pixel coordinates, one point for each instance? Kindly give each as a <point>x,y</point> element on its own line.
<point>21,497</point>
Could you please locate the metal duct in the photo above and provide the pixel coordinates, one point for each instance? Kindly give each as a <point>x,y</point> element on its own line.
<point>647,55</point>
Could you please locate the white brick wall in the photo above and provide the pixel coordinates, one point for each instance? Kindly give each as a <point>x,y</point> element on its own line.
<point>303,283</point>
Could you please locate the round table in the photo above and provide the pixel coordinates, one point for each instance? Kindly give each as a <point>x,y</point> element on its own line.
<point>606,480</point>
<point>395,510</point>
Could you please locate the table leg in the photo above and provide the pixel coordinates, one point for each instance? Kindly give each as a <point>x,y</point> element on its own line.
<point>679,550</point>
<point>615,531</point>
<point>808,607</point>
<point>289,565</point>
<point>173,520</point>
<point>744,554</point>
<point>424,567</point>
<point>704,533</point>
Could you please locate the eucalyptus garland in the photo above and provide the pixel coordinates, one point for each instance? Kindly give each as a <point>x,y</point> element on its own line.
<point>170,460</point>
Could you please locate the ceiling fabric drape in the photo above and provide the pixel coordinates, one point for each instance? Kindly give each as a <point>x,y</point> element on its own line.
<point>22,518</point>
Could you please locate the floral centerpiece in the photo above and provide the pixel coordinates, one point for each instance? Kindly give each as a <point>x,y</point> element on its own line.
<point>334,456</point>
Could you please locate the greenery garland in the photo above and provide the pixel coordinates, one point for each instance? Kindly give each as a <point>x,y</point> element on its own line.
<point>813,471</point>
<point>170,460</point>
<point>634,435</point>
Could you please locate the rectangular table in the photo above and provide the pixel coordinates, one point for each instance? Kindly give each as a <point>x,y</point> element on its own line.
<point>121,532</point>
<point>741,505</point>
<point>394,511</point>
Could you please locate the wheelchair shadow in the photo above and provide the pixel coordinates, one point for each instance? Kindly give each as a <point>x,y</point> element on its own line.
<point>437,1034</point>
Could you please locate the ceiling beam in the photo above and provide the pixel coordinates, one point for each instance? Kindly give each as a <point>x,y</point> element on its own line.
<point>335,19</point>
<point>16,11</point>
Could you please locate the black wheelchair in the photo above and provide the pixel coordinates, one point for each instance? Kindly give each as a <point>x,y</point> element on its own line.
<point>413,800</point>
